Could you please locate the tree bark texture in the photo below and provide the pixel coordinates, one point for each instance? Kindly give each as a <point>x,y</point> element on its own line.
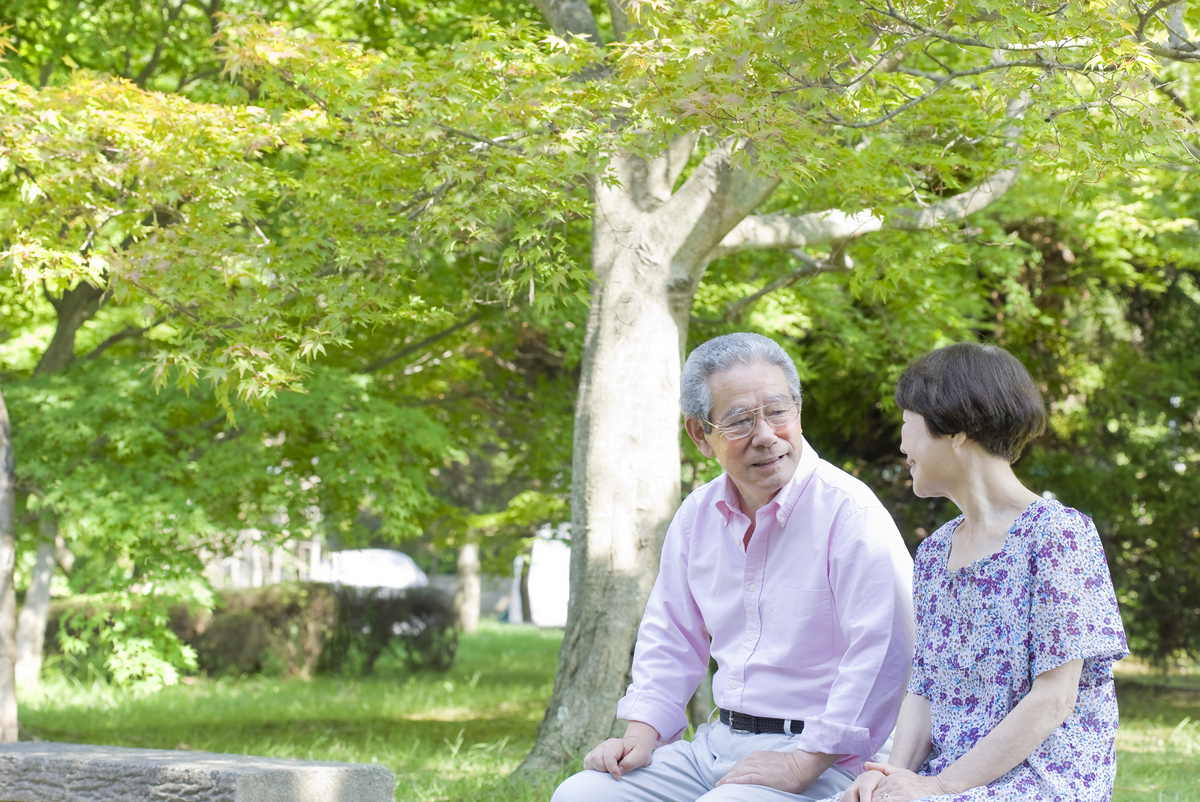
<point>31,623</point>
<point>8,596</point>
<point>467,594</point>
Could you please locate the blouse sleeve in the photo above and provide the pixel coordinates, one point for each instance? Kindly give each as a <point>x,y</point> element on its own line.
<point>1073,609</point>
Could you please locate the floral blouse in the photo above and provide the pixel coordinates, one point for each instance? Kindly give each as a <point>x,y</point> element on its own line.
<point>986,630</point>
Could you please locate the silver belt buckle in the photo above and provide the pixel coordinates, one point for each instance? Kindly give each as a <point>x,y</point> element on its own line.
<point>733,726</point>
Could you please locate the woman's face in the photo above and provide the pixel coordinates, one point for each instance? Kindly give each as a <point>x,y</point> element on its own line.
<point>930,459</point>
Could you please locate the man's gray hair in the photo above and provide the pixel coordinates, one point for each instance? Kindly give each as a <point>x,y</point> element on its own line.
<point>722,353</point>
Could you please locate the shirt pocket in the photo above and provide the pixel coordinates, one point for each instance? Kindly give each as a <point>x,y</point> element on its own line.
<point>797,627</point>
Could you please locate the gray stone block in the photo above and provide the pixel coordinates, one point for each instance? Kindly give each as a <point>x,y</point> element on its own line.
<point>39,771</point>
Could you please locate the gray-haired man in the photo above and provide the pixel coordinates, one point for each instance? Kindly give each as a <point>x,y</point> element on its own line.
<point>791,574</point>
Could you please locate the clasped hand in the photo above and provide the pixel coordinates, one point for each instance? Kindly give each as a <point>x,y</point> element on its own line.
<point>881,782</point>
<point>619,756</point>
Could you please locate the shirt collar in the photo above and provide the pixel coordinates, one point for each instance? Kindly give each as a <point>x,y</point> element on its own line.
<point>785,500</point>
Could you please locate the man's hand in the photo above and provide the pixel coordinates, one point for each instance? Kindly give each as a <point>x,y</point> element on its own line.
<point>902,785</point>
<point>790,772</point>
<point>619,756</point>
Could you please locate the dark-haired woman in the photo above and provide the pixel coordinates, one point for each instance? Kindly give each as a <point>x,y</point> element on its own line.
<point>1011,695</point>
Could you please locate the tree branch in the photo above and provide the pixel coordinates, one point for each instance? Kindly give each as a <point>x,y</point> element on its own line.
<point>778,231</point>
<point>808,267</point>
<point>974,41</point>
<point>939,82</point>
<point>124,334</point>
<point>620,18</point>
<point>982,195</point>
<point>717,196</point>
<point>151,65</point>
<point>408,349</point>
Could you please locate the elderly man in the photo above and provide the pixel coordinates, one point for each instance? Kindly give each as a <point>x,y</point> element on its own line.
<point>791,574</point>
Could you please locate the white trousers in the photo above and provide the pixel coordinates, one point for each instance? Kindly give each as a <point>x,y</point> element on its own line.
<point>688,771</point>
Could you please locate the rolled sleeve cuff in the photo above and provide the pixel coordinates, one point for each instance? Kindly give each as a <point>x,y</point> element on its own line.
<point>660,713</point>
<point>834,739</point>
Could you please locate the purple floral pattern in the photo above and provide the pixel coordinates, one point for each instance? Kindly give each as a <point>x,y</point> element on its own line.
<point>986,630</point>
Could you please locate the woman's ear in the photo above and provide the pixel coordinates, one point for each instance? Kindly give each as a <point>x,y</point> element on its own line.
<point>695,430</point>
<point>956,440</point>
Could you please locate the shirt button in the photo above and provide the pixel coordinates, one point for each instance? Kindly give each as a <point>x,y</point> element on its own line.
<point>733,683</point>
<point>751,587</point>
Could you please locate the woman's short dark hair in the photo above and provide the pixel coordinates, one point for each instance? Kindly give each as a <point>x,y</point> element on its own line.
<point>981,390</point>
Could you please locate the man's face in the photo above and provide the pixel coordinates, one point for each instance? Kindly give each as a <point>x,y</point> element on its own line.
<point>766,459</point>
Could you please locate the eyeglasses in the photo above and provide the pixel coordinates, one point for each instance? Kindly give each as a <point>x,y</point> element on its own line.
<point>737,426</point>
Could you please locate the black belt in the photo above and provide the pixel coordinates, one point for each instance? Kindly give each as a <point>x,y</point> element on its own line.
<point>740,722</point>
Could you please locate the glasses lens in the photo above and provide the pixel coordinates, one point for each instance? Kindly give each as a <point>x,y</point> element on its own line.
<point>738,426</point>
<point>780,414</point>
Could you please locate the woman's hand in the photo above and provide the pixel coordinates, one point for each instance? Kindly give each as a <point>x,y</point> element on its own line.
<point>900,785</point>
<point>862,788</point>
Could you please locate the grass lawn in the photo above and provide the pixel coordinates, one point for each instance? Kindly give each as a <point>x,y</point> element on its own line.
<point>1158,744</point>
<point>457,736</point>
<point>445,736</point>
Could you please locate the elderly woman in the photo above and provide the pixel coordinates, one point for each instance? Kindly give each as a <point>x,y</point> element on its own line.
<point>1011,695</point>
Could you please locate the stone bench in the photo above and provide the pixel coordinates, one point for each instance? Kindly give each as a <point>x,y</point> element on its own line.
<point>39,771</point>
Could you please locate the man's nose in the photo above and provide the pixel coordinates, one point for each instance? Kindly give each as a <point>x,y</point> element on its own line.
<point>763,431</point>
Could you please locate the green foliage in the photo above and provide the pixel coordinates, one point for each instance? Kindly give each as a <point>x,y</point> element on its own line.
<point>170,48</point>
<point>390,247</point>
<point>902,102</point>
<point>1115,345</point>
<point>126,639</point>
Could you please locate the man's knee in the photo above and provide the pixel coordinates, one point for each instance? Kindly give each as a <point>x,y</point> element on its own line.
<point>586,786</point>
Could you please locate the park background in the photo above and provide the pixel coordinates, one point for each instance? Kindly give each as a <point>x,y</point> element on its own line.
<point>308,276</point>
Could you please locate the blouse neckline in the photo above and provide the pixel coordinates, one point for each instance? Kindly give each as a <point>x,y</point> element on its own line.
<point>987,558</point>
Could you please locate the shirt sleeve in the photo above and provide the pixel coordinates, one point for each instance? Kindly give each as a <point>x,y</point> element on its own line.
<point>1073,609</point>
<point>673,644</point>
<point>870,576</point>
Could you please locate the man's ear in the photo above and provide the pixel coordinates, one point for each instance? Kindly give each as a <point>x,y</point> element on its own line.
<point>695,430</point>
<point>956,440</point>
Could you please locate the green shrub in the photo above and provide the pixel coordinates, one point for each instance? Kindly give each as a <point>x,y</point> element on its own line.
<point>277,629</point>
<point>418,623</point>
<point>293,629</point>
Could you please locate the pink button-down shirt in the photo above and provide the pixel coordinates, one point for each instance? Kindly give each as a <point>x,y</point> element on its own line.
<point>812,620</point>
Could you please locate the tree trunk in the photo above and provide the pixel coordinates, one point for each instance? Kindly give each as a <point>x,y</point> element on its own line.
<point>76,307</point>
<point>649,249</point>
<point>467,595</point>
<point>21,641</point>
<point>8,596</point>
<point>626,486</point>
<point>31,624</point>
